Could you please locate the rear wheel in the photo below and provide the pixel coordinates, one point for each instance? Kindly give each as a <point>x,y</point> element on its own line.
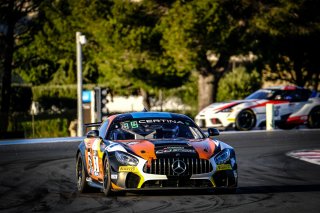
<point>245,120</point>
<point>107,178</point>
<point>81,175</point>
<point>314,118</point>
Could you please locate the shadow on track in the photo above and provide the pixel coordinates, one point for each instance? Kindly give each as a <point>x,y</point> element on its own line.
<point>278,189</point>
<point>219,191</point>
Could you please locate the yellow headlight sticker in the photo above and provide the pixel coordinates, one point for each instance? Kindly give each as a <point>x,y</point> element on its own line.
<point>224,167</point>
<point>135,170</point>
<point>128,169</point>
<point>231,119</point>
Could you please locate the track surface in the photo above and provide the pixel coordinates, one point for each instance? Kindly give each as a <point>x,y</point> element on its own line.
<point>41,178</point>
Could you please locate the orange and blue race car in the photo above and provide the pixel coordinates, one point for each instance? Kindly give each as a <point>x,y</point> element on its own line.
<point>154,150</point>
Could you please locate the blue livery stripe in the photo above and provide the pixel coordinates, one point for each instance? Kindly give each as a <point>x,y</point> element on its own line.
<point>151,115</point>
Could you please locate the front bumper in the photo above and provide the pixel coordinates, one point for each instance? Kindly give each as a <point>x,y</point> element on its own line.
<point>136,177</point>
<point>216,120</point>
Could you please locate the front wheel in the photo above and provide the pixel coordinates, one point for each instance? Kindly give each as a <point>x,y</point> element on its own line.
<point>107,178</point>
<point>81,175</point>
<point>245,120</point>
<point>314,118</point>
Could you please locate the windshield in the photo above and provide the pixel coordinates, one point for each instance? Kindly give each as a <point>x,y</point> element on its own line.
<point>261,94</point>
<point>154,129</point>
<point>281,95</point>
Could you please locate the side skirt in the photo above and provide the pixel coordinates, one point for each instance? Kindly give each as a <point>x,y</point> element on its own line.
<point>94,184</point>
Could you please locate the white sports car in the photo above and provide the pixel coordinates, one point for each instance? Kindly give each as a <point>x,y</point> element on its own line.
<point>293,106</point>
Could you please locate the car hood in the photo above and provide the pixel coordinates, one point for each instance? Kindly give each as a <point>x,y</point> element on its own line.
<point>170,148</point>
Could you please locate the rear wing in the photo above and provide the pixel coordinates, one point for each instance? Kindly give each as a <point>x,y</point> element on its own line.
<point>92,125</point>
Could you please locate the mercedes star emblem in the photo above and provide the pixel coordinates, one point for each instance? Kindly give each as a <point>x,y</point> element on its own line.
<point>179,167</point>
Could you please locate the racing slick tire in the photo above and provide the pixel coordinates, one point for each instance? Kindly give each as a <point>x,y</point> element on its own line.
<point>245,120</point>
<point>81,175</point>
<point>314,118</point>
<point>106,178</point>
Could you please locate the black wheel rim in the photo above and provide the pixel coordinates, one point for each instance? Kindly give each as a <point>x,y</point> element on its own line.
<point>79,173</point>
<point>246,120</point>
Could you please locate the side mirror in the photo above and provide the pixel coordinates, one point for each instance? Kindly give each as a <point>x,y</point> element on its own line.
<point>93,134</point>
<point>213,132</point>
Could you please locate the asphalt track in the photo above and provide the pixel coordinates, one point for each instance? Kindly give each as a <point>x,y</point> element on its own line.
<point>41,178</point>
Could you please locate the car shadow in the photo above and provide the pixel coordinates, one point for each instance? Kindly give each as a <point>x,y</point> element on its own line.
<point>278,189</point>
<point>221,191</point>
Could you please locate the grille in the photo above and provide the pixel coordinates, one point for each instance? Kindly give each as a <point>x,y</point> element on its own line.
<point>163,166</point>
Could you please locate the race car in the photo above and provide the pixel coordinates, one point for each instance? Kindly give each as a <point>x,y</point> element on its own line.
<point>153,150</point>
<point>293,106</point>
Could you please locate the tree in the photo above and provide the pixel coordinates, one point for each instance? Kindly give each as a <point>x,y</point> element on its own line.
<point>288,41</point>
<point>197,31</point>
<point>130,54</point>
<point>17,24</point>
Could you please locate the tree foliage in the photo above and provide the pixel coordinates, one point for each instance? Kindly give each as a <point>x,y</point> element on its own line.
<point>130,50</point>
<point>196,31</point>
<point>238,84</point>
<point>288,33</point>
<point>50,57</point>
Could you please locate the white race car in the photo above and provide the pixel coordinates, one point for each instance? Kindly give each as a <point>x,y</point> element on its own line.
<point>293,106</point>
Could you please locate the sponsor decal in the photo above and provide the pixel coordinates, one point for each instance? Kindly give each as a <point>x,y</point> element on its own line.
<point>131,143</point>
<point>224,167</point>
<point>174,149</point>
<point>169,121</point>
<point>96,164</point>
<point>129,125</point>
<point>90,163</point>
<point>128,169</point>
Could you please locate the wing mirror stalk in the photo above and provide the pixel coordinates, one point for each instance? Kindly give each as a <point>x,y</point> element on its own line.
<point>213,132</point>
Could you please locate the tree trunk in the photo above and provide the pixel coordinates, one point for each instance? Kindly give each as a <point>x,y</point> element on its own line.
<point>6,79</point>
<point>205,90</point>
<point>146,99</point>
<point>209,78</point>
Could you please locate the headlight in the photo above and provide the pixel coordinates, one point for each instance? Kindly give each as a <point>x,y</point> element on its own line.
<point>223,156</point>
<point>126,159</point>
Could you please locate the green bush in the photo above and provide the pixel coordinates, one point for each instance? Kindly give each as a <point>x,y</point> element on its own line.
<point>238,84</point>
<point>45,125</point>
<point>46,128</point>
<point>60,96</point>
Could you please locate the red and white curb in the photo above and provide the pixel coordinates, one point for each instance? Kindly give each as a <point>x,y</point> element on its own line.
<point>311,156</point>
